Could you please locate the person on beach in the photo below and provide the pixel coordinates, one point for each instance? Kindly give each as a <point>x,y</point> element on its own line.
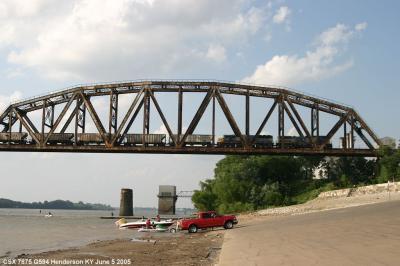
<point>148,223</point>
<point>158,218</point>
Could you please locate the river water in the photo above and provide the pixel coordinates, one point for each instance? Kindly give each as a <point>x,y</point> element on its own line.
<point>27,231</point>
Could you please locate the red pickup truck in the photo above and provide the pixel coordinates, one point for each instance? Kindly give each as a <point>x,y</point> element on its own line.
<point>206,220</point>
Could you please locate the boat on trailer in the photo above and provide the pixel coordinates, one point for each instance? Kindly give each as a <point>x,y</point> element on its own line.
<point>123,224</point>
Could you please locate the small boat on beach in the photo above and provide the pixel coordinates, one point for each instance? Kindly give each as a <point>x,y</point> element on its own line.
<point>123,224</point>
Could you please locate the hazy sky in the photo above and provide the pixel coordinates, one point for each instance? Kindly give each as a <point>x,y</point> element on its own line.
<point>341,50</point>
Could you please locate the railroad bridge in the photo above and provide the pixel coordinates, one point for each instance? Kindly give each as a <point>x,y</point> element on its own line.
<point>116,118</point>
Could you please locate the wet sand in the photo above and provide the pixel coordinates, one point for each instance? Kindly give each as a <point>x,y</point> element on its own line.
<point>181,249</point>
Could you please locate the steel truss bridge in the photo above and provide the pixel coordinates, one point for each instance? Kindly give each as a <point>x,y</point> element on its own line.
<point>61,118</point>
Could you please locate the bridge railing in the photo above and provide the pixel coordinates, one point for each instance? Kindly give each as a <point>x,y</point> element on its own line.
<point>175,80</point>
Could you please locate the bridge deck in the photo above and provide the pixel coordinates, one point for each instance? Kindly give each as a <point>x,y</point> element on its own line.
<point>187,150</point>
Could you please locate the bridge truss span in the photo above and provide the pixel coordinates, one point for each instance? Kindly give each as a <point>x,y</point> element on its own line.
<point>117,118</point>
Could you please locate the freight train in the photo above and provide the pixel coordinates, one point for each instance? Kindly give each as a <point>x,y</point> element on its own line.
<point>227,141</point>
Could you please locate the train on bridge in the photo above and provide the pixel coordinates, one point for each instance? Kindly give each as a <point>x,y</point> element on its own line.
<point>71,120</point>
<point>157,140</point>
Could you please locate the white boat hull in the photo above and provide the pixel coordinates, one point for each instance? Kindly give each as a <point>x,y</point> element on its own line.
<point>152,230</point>
<point>142,223</point>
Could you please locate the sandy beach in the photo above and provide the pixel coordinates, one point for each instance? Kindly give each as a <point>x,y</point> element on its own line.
<point>179,249</point>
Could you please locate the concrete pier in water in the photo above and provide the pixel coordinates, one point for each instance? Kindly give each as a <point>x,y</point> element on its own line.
<point>166,200</point>
<point>126,203</point>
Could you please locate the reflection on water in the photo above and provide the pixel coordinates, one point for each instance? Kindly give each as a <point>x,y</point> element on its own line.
<point>28,231</point>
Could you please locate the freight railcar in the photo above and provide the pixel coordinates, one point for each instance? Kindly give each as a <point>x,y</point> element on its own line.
<point>292,142</point>
<point>55,138</point>
<point>147,139</point>
<point>196,140</point>
<point>89,138</point>
<point>266,141</point>
<point>302,142</point>
<point>229,141</point>
<point>321,139</point>
<point>13,137</point>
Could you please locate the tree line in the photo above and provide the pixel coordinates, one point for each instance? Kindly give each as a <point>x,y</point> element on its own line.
<point>55,204</point>
<point>247,183</point>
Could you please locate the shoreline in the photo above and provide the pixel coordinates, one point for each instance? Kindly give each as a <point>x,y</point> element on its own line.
<point>72,244</point>
<point>202,248</point>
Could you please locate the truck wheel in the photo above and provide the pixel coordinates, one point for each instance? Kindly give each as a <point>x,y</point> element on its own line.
<point>228,225</point>
<point>192,228</point>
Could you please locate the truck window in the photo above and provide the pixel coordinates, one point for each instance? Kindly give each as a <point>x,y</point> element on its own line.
<point>206,215</point>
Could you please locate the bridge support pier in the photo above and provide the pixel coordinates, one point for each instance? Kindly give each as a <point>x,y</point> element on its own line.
<point>166,200</point>
<point>126,203</point>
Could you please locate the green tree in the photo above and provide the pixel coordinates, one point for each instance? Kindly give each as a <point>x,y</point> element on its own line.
<point>243,183</point>
<point>250,182</point>
<point>204,199</point>
<point>348,171</point>
<point>389,164</point>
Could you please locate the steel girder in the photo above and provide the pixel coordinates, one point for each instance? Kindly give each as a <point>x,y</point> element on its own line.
<point>80,99</point>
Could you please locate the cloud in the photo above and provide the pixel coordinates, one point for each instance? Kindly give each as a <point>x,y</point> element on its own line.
<point>268,37</point>
<point>317,64</point>
<point>338,34</point>
<point>88,40</point>
<point>21,8</point>
<point>292,132</point>
<point>216,53</point>
<point>5,100</point>
<point>282,15</point>
<point>161,130</point>
<point>361,26</point>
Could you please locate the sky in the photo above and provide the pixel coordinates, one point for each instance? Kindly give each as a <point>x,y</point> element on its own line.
<point>346,51</point>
